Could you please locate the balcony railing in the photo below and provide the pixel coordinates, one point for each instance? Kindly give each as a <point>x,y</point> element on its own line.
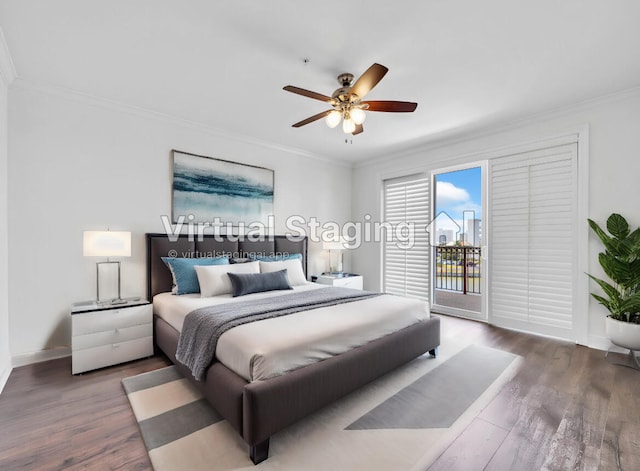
<point>458,269</point>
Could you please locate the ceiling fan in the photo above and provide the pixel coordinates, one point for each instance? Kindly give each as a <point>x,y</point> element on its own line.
<point>347,103</point>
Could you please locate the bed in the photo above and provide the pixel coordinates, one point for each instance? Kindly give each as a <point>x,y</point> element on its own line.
<point>257,409</point>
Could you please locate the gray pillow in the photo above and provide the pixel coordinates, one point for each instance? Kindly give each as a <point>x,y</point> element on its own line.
<point>247,283</point>
<point>239,260</point>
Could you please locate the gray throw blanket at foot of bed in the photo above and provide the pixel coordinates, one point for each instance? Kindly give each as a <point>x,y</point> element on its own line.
<point>203,327</point>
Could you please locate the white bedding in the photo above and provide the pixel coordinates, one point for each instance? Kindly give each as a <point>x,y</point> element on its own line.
<point>270,347</point>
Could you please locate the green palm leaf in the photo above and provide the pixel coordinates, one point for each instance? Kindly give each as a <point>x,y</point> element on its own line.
<point>611,291</point>
<point>631,305</point>
<point>620,271</point>
<point>621,263</point>
<point>609,243</point>
<point>617,226</point>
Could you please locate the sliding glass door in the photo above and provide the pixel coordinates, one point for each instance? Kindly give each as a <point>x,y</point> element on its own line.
<point>457,238</point>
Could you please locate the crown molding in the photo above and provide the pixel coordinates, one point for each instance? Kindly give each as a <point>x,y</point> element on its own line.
<point>449,138</point>
<point>97,101</point>
<point>7,69</point>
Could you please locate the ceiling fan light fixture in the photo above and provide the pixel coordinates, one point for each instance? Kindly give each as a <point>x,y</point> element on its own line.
<point>346,102</point>
<point>348,126</point>
<point>358,115</point>
<point>333,118</point>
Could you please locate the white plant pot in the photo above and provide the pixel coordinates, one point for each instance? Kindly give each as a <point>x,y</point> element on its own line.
<point>623,334</point>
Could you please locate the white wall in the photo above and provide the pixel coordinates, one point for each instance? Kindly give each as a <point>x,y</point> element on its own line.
<point>614,168</point>
<point>5,358</point>
<point>76,164</point>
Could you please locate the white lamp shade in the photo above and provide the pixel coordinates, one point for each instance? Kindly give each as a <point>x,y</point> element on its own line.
<point>348,126</point>
<point>333,118</point>
<point>333,245</point>
<point>358,115</point>
<point>107,244</point>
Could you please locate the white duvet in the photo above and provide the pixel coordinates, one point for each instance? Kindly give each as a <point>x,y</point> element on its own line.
<point>270,347</point>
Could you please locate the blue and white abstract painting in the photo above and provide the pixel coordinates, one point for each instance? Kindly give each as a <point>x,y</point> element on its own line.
<point>212,189</point>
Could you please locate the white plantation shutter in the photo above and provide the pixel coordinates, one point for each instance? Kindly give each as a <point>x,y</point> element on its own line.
<point>406,270</point>
<point>533,252</point>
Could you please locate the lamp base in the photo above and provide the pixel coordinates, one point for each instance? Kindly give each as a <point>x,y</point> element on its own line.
<point>111,282</point>
<point>335,261</point>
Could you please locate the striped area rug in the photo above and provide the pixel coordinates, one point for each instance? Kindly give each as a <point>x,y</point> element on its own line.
<point>402,421</point>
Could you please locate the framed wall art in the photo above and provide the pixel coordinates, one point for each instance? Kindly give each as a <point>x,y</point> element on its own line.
<point>207,189</point>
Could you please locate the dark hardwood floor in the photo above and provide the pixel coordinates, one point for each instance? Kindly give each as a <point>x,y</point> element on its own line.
<point>566,409</point>
<point>51,420</point>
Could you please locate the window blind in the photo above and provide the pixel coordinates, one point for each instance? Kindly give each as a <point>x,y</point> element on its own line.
<point>533,251</point>
<point>406,248</point>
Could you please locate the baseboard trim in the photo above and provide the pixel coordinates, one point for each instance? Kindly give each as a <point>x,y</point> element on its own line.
<point>600,342</point>
<point>24,359</point>
<point>4,377</point>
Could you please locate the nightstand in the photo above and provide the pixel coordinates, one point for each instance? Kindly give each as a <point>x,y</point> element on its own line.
<point>344,280</point>
<point>108,334</point>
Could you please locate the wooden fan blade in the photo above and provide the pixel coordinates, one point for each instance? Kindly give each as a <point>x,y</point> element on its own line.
<point>390,106</point>
<point>308,93</point>
<point>368,80</point>
<point>313,118</point>
<point>358,130</point>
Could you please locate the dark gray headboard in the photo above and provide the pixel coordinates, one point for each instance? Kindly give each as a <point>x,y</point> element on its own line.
<point>159,245</point>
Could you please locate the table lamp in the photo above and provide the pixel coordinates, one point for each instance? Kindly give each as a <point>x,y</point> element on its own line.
<point>335,249</point>
<point>107,244</point>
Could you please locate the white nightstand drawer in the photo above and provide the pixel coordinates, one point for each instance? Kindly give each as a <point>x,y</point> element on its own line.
<point>108,337</point>
<point>111,319</point>
<point>112,354</point>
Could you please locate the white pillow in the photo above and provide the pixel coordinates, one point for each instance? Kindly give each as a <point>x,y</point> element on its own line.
<point>294,270</point>
<point>213,279</point>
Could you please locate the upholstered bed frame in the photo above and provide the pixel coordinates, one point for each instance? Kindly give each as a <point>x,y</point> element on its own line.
<point>259,409</point>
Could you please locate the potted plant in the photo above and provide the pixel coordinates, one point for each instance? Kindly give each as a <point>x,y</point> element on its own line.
<point>621,263</point>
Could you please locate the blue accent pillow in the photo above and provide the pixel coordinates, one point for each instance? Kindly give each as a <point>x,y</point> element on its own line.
<point>276,258</point>
<point>185,279</point>
<point>247,283</point>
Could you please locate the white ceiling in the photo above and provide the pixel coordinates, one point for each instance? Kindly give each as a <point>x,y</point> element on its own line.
<point>469,64</point>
